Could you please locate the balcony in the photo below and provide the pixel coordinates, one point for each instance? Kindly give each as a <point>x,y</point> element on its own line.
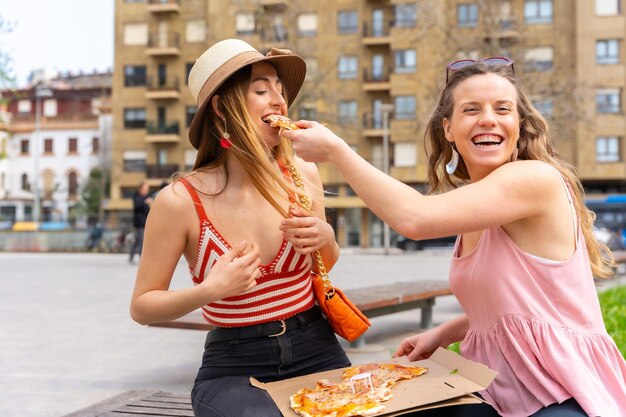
<point>163,89</point>
<point>163,6</point>
<point>376,80</point>
<point>275,4</point>
<point>163,45</point>
<point>161,132</point>
<point>373,124</point>
<point>163,172</point>
<point>376,35</point>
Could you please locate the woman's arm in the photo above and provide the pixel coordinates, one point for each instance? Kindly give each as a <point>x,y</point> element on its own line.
<point>164,243</point>
<point>510,193</point>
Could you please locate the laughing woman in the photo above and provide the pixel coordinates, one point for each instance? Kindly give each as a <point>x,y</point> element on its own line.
<point>525,258</point>
<point>248,250</point>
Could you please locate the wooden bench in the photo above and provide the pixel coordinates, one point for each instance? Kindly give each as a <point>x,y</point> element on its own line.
<point>372,301</point>
<point>139,403</point>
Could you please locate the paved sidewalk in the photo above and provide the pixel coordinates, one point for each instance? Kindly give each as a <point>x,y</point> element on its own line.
<point>67,340</point>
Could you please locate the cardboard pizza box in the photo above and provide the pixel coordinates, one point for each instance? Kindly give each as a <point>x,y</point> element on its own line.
<point>450,380</point>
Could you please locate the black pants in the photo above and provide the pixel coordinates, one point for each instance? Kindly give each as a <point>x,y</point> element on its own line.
<point>222,387</point>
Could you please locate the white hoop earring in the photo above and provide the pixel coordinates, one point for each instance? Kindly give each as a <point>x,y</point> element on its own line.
<point>454,160</point>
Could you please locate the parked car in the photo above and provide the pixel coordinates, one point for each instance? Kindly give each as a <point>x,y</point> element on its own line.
<point>407,244</point>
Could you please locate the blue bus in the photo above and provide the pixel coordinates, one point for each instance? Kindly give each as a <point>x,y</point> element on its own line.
<point>611,215</point>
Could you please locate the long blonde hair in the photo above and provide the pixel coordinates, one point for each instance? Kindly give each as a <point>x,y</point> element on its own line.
<point>247,144</point>
<point>533,144</point>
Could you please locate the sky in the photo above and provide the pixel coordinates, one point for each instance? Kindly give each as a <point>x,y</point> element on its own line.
<point>67,35</point>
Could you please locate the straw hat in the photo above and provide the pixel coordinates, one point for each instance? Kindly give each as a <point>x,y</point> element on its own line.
<point>225,58</point>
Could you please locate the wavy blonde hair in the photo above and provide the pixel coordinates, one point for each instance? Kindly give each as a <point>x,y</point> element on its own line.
<point>533,144</point>
<point>248,145</point>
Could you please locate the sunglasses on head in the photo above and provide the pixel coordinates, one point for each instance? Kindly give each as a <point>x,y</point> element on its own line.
<point>496,61</point>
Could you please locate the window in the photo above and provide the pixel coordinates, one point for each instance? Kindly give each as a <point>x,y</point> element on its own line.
<point>135,118</point>
<point>307,112</point>
<point>608,100</point>
<point>539,59</point>
<point>50,108</point>
<point>95,145</point>
<point>405,61</point>
<point>404,107</point>
<point>188,67</point>
<point>190,158</point>
<point>347,112</point>
<point>538,11</point>
<point>24,146</point>
<point>466,15</point>
<point>405,15</point>
<point>607,149</point>
<point>136,34</point>
<point>307,24</point>
<point>48,146</point>
<point>348,67</point>
<point>608,7</point>
<point>245,23</point>
<point>190,111</point>
<point>607,51</point>
<point>347,22</point>
<point>312,68</point>
<point>545,107</point>
<point>72,145</point>
<point>134,75</point>
<point>405,154</point>
<point>195,31</point>
<point>72,184</point>
<point>23,106</point>
<point>24,182</point>
<point>134,161</point>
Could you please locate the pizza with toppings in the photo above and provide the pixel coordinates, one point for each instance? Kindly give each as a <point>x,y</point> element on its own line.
<point>360,393</point>
<point>276,120</point>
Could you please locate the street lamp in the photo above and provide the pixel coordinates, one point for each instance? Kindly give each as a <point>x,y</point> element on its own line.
<point>40,92</point>
<point>385,109</point>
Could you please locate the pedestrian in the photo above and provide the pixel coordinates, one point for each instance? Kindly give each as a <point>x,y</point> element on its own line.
<point>248,245</point>
<point>141,207</point>
<point>525,258</point>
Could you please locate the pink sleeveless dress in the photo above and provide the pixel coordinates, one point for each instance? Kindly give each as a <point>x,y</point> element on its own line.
<point>538,324</point>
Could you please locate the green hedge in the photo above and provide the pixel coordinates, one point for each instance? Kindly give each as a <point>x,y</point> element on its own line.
<point>613,305</point>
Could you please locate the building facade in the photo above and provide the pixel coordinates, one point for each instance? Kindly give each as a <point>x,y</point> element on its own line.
<point>374,71</point>
<point>55,133</point>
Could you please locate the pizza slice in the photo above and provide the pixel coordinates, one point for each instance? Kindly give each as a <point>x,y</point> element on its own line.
<point>334,400</point>
<point>276,120</point>
<point>385,373</point>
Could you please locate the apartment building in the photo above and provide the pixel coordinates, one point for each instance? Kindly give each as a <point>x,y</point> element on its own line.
<point>54,132</point>
<point>374,71</point>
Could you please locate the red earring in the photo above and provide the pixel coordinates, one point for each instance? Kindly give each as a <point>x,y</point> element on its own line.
<point>225,140</point>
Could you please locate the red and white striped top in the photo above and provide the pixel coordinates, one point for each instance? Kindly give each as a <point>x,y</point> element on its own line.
<point>282,290</point>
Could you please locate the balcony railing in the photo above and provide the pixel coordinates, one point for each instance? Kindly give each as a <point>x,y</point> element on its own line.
<point>163,88</point>
<point>375,31</point>
<point>370,76</point>
<point>160,128</point>
<point>160,171</point>
<point>163,44</point>
<point>164,6</point>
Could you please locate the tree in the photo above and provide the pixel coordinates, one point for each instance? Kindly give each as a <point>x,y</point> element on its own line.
<point>91,196</point>
<point>6,72</point>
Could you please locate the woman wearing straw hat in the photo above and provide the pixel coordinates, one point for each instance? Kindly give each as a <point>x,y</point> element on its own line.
<point>249,251</point>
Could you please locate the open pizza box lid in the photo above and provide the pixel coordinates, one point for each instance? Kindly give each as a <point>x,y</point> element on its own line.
<point>450,380</point>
